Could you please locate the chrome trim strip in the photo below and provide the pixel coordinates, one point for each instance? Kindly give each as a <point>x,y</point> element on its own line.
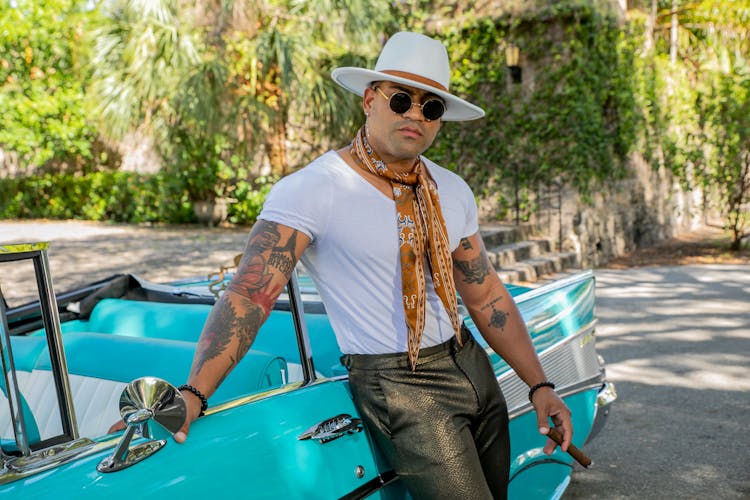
<point>372,486</point>
<point>555,285</point>
<point>300,328</point>
<point>251,398</point>
<point>539,462</point>
<point>54,456</point>
<point>56,349</point>
<point>571,364</point>
<point>234,403</point>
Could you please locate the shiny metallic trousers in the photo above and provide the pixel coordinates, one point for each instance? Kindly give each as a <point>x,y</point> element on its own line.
<point>444,427</point>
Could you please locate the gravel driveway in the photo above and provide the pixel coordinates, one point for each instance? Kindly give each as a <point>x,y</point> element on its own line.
<point>84,252</point>
<point>676,341</point>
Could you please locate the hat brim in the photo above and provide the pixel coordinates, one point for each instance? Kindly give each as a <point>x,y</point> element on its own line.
<point>356,80</point>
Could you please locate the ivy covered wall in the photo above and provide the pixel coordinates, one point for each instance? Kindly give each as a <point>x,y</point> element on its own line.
<point>608,124</point>
<point>570,119</point>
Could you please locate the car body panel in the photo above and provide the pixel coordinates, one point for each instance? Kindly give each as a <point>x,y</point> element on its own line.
<point>257,443</point>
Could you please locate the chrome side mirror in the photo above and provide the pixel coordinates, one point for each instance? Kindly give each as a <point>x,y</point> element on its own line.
<point>142,400</point>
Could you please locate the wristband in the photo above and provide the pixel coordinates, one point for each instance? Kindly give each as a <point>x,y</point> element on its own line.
<point>539,386</point>
<point>198,394</point>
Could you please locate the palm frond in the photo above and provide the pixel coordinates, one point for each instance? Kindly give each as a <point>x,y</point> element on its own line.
<point>140,60</point>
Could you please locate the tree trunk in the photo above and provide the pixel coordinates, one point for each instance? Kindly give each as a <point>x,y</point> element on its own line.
<point>673,33</point>
<point>651,26</point>
<point>276,146</point>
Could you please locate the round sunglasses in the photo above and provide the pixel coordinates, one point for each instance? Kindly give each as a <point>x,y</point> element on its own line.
<point>401,102</point>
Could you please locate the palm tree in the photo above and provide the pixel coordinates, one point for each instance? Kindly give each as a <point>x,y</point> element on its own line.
<point>685,28</point>
<point>143,52</point>
<point>248,70</point>
<point>279,60</point>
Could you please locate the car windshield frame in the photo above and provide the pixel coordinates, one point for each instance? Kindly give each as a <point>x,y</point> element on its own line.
<point>37,253</point>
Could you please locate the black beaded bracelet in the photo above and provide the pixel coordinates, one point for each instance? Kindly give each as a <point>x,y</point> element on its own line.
<point>198,394</point>
<point>539,386</point>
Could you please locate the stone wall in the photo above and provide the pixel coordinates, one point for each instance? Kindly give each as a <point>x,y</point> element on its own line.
<point>639,211</point>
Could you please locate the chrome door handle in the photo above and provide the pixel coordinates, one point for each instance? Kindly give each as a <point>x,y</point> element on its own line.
<point>332,428</point>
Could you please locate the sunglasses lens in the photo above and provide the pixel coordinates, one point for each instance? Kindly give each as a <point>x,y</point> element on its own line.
<point>433,109</point>
<point>400,102</point>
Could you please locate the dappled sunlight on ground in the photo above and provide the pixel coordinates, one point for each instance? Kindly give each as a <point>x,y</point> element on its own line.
<point>705,245</point>
<point>687,346</point>
<point>676,341</point>
<point>727,372</point>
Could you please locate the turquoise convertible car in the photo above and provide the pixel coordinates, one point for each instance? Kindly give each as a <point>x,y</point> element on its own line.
<point>282,425</point>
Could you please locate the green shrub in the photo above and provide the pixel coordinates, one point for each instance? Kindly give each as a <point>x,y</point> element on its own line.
<point>118,197</point>
<point>250,198</point>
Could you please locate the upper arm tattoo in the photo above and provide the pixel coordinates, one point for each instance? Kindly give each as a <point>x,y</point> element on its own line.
<point>466,244</point>
<point>474,270</point>
<point>282,258</point>
<point>264,252</point>
<point>241,315</point>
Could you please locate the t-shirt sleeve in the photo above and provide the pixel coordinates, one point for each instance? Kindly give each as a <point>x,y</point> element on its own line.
<point>472,213</point>
<point>300,201</point>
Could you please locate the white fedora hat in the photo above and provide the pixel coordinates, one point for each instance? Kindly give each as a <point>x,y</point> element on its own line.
<point>418,61</point>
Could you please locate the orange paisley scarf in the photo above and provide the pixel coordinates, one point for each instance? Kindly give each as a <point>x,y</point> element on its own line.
<point>420,224</point>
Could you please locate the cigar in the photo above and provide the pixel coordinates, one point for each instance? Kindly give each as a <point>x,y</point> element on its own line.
<point>574,452</point>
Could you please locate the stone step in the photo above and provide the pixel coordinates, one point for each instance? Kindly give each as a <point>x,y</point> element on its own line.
<point>509,254</point>
<point>533,269</point>
<point>521,256</point>
<point>496,234</point>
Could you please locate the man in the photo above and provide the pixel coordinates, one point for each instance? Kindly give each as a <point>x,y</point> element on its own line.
<point>389,237</point>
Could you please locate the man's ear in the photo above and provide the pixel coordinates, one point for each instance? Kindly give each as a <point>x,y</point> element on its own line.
<point>367,99</point>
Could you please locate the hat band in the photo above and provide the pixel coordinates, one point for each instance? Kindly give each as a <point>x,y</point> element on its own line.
<point>416,78</point>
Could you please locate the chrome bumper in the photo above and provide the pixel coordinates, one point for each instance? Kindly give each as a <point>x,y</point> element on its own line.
<point>604,398</point>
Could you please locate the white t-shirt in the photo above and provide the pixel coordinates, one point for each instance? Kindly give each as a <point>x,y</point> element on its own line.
<point>353,257</point>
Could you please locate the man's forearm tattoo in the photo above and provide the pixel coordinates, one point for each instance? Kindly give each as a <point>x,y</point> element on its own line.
<point>466,244</point>
<point>224,325</point>
<point>474,270</point>
<point>498,318</point>
<point>246,329</point>
<point>217,334</point>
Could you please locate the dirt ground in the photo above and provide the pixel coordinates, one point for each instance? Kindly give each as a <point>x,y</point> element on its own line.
<point>82,252</point>
<point>707,245</point>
